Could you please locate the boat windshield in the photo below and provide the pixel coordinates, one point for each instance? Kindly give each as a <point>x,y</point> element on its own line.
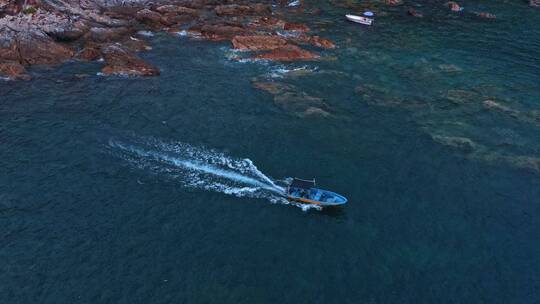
<point>302,183</point>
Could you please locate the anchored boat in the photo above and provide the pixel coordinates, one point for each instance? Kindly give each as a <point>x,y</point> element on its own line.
<point>304,191</point>
<point>359,19</point>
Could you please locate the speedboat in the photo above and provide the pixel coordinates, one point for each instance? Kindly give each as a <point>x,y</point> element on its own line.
<point>304,191</point>
<point>359,19</point>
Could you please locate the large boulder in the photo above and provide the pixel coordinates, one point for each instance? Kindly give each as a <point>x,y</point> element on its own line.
<point>122,62</point>
<point>8,45</point>
<point>90,52</point>
<point>321,42</point>
<point>288,53</point>
<point>31,46</point>
<point>534,3</point>
<point>222,32</point>
<point>148,16</point>
<point>258,43</point>
<point>36,47</point>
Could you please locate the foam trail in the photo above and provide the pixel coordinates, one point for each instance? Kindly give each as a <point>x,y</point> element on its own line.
<point>200,168</point>
<point>269,185</point>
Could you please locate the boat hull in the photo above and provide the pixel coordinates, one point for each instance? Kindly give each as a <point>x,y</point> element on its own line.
<point>323,198</point>
<point>359,19</point>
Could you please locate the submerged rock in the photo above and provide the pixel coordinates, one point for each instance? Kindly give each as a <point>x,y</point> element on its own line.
<point>493,105</point>
<point>122,62</point>
<point>294,101</point>
<point>461,143</point>
<point>485,15</point>
<point>415,13</point>
<point>534,3</point>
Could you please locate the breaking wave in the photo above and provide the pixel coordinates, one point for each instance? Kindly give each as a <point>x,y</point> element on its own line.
<point>200,168</point>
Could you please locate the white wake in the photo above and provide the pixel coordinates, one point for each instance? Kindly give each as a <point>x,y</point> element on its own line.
<point>200,168</point>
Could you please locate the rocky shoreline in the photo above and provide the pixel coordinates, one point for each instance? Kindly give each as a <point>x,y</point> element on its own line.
<point>48,32</point>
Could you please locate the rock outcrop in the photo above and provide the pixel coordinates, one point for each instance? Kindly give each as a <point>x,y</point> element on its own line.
<point>122,62</point>
<point>258,43</point>
<point>50,32</point>
<point>453,6</point>
<point>288,53</point>
<point>14,71</point>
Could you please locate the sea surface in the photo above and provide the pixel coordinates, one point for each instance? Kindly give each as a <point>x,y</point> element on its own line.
<point>167,189</point>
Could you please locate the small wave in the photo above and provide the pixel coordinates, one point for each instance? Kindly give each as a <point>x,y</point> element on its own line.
<point>281,71</point>
<point>294,3</point>
<point>237,56</point>
<point>201,168</point>
<point>189,34</point>
<point>146,33</point>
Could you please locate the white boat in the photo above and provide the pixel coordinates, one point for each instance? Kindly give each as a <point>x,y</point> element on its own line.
<point>359,19</point>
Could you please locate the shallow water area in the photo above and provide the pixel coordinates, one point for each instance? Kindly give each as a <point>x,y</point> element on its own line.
<point>159,190</point>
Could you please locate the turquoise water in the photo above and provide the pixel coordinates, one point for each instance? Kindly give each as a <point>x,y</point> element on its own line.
<point>159,190</point>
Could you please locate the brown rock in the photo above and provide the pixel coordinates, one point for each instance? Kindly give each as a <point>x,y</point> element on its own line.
<point>170,19</point>
<point>135,44</point>
<point>393,2</point>
<point>122,62</point>
<point>288,53</point>
<point>148,16</point>
<point>299,27</point>
<point>243,10</point>
<point>315,41</point>
<point>223,32</point>
<point>454,6</point>
<point>164,9</point>
<point>258,43</point>
<point>322,42</point>
<point>13,70</point>
<point>36,47</point>
<point>89,53</point>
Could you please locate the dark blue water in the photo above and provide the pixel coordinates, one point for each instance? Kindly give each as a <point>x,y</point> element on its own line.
<point>127,190</point>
